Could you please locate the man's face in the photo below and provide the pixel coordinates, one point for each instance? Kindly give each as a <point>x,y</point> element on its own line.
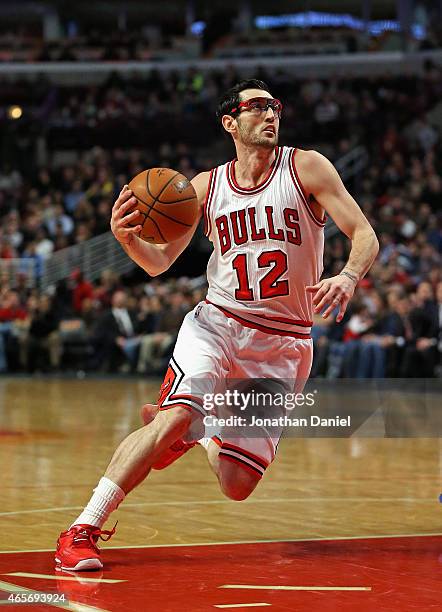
<point>425,291</point>
<point>257,129</point>
<point>403,307</point>
<point>45,303</point>
<point>176,299</point>
<point>119,299</point>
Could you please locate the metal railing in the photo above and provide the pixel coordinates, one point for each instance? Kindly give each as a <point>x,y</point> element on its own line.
<point>15,272</point>
<point>348,166</point>
<point>92,257</point>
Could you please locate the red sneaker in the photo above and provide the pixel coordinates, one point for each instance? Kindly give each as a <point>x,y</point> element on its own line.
<point>77,550</point>
<point>178,448</point>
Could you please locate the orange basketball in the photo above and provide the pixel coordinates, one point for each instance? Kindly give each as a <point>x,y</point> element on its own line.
<point>167,204</point>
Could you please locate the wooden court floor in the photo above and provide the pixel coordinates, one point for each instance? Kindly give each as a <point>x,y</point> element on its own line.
<point>56,437</point>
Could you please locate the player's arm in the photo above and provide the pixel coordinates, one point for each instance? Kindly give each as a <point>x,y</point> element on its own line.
<point>153,258</point>
<point>322,183</point>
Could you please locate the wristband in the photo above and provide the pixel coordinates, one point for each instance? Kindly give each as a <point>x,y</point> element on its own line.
<point>350,276</point>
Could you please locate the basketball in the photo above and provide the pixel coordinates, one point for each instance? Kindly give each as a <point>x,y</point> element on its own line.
<point>167,204</point>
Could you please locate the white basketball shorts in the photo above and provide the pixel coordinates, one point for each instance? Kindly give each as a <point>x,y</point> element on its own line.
<point>213,349</point>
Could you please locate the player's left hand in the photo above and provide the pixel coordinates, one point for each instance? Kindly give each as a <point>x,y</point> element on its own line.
<point>332,292</point>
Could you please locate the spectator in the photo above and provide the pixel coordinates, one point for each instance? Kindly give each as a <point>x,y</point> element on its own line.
<point>115,338</point>
<point>73,196</point>
<point>421,352</point>
<point>44,247</point>
<point>59,220</point>
<point>439,328</point>
<point>81,290</point>
<point>41,346</point>
<point>105,288</point>
<point>155,347</point>
<point>11,311</point>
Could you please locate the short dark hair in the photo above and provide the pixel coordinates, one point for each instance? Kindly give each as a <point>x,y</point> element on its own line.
<point>231,98</point>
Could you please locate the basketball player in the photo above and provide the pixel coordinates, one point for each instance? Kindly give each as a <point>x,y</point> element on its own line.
<point>265,214</point>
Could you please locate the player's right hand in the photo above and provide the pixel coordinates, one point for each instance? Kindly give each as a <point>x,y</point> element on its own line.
<point>120,220</point>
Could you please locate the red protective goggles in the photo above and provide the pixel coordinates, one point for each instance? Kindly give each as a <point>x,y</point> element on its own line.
<point>258,106</point>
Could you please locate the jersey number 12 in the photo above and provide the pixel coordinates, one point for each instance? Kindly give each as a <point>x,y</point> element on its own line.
<point>270,285</point>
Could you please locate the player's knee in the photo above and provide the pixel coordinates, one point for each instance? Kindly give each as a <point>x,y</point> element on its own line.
<point>238,491</point>
<point>177,418</point>
<point>237,483</point>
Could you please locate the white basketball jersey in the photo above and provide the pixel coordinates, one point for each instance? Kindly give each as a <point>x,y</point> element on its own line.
<point>268,246</point>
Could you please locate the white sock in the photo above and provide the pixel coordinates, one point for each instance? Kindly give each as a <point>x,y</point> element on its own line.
<point>204,442</point>
<point>106,498</point>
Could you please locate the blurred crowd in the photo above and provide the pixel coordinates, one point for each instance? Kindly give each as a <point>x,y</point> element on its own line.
<point>389,330</point>
<point>48,203</point>
<point>107,326</point>
<point>40,119</point>
<point>57,190</point>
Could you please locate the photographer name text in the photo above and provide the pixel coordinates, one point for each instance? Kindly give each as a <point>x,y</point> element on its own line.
<point>282,421</point>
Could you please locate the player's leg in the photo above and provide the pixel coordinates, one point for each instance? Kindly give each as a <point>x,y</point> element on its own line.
<point>198,363</point>
<point>148,413</point>
<point>240,457</point>
<point>134,457</point>
<point>179,402</point>
<point>239,463</point>
<point>235,481</point>
<point>130,464</point>
<point>237,469</point>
